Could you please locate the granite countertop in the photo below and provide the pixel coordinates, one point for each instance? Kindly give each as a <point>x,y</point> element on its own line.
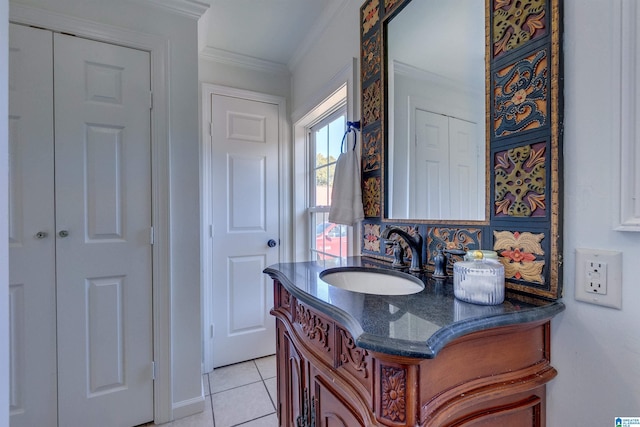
<point>416,325</point>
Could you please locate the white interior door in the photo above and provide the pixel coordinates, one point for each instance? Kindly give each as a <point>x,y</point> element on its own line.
<point>32,288</point>
<point>244,174</point>
<point>463,169</point>
<point>431,166</point>
<point>103,223</point>
<point>445,181</point>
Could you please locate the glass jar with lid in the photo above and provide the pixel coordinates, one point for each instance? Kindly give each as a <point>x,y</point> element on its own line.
<point>479,281</point>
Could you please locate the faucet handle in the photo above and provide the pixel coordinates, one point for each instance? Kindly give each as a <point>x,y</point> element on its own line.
<point>398,253</point>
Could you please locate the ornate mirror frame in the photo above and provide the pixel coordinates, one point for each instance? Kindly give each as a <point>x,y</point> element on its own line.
<point>524,145</point>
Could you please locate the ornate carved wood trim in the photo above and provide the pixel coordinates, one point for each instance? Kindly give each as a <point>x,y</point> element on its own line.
<point>313,326</point>
<point>352,355</point>
<point>393,394</point>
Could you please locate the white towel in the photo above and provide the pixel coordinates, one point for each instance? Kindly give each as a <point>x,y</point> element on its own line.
<point>346,196</point>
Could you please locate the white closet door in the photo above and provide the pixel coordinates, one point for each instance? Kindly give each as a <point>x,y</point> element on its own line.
<point>32,256</point>
<point>463,170</point>
<point>103,219</point>
<point>444,183</point>
<point>430,183</point>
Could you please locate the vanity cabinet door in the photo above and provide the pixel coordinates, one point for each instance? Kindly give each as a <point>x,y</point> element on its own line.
<point>332,408</point>
<point>292,379</point>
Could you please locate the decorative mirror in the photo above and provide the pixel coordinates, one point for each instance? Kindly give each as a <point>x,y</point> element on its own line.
<point>461,127</point>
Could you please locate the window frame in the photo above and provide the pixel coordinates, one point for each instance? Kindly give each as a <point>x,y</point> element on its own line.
<point>345,84</point>
<point>324,121</point>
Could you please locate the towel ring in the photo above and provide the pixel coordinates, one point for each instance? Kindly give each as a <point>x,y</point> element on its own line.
<point>351,127</point>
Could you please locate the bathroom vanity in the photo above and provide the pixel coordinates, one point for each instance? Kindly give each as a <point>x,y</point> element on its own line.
<point>349,358</point>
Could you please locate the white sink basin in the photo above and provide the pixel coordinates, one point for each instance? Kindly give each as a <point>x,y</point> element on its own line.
<point>372,281</point>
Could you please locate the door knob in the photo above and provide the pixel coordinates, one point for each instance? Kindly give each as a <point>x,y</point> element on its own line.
<point>272,243</point>
<point>41,235</point>
<point>63,233</point>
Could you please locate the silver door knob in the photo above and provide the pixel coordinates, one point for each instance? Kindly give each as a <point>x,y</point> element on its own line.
<point>41,235</point>
<point>63,233</point>
<point>272,243</point>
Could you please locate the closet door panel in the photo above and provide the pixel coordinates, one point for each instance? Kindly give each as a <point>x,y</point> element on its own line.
<point>103,210</point>
<point>32,309</point>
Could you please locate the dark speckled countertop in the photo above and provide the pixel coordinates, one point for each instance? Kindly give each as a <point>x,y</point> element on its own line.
<point>417,325</point>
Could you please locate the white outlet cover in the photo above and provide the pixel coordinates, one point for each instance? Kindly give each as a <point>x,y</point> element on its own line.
<point>613,261</point>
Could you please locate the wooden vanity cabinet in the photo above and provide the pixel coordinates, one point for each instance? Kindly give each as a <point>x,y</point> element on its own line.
<point>494,377</point>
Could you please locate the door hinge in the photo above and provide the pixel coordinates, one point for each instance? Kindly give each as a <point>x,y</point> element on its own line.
<point>150,100</point>
<point>210,129</point>
<point>211,331</point>
<point>211,230</point>
<point>151,236</point>
<point>153,370</point>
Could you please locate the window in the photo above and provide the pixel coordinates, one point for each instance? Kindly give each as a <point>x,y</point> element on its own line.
<point>336,99</point>
<point>328,240</point>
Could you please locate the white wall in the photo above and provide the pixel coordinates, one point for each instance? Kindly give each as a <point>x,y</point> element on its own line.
<point>4,215</point>
<point>331,53</point>
<point>269,82</point>
<point>183,136</point>
<point>596,350</point>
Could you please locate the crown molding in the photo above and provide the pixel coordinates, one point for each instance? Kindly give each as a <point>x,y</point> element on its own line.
<point>231,58</point>
<point>193,9</point>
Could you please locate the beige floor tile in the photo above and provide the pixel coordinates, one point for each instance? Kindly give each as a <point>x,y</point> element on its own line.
<point>272,388</point>
<point>268,421</point>
<point>232,376</point>
<point>266,366</point>
<point>241,404</point>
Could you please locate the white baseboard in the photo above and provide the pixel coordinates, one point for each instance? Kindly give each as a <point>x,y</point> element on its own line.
<point>188,407</point>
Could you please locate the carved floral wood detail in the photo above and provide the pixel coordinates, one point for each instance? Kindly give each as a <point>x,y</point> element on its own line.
<point>393,393</point>
<point>371,155</point>
<point>520,95</point>
<point>442,238</point>
<point>521,181</point>
<point>371,190</point>
<point>516,22</point>
<point>371,237</point>
<point>520,253</point>
<point>372,103</point>
<point>390,4</point>
<point>313,326</point>
<point>370,15</point>
<point>370,61</point>
<point>285,298</point>
<point>351,354</point>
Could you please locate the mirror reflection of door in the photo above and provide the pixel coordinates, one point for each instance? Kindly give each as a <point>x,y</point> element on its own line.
<point>443,177</point>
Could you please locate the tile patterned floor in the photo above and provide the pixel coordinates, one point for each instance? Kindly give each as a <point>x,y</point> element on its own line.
<point>241,395</point>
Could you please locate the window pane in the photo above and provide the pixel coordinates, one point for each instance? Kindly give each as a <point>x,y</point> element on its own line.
<point>336,132</point>
<point>322,186</point>
<point>321,138</point>
<point>331,171</point>
<point>330,240</point>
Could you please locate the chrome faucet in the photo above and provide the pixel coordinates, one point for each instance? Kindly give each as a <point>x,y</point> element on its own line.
<point>414,243</point>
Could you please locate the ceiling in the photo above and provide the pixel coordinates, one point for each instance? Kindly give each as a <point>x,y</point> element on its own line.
<point>267,32</point>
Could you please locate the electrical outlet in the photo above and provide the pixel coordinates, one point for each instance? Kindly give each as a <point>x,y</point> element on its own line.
<point>596,277</point>
<point>599,277</point>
